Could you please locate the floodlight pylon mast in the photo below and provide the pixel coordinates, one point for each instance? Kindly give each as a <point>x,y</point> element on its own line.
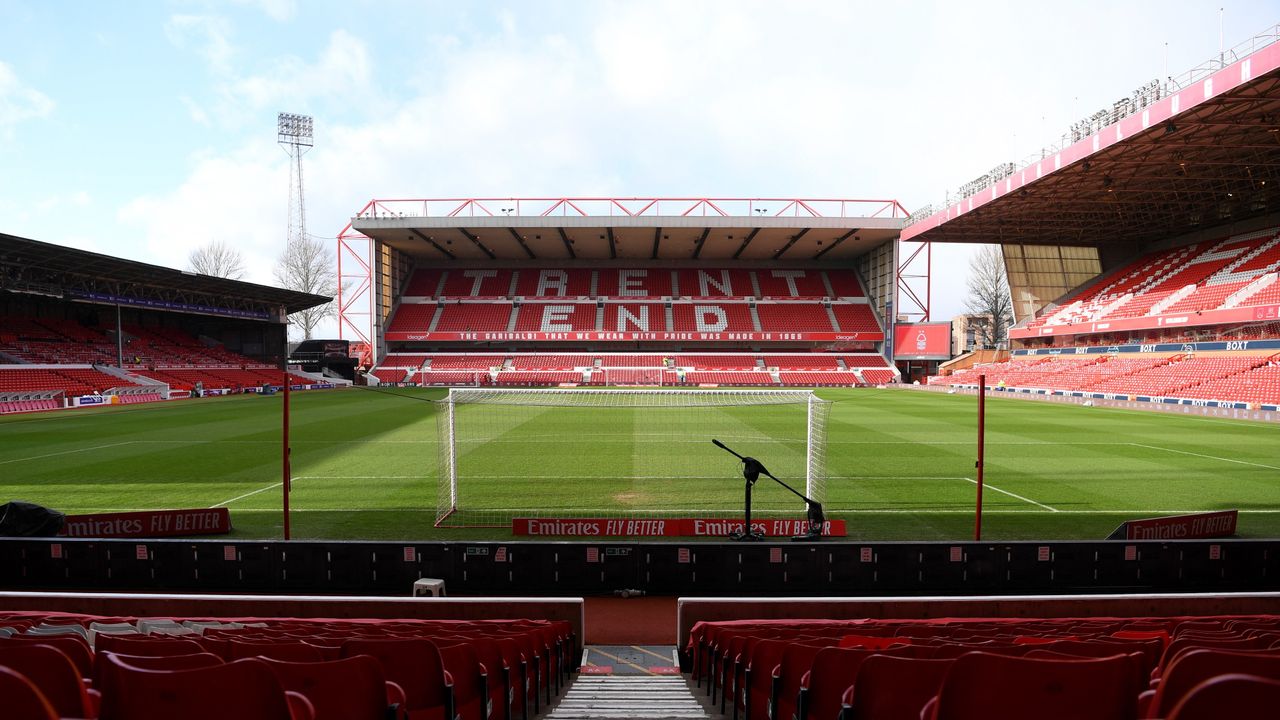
<point>294,133</point>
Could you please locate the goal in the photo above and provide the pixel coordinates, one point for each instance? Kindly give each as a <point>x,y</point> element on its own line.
<point>507,453</point>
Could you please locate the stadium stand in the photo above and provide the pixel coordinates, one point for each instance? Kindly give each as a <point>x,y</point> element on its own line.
<point>117,668</point>
<point>794,317</point>
<point>1097,667</point>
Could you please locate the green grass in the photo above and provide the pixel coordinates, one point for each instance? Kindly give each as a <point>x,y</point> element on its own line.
<point>901,464</point>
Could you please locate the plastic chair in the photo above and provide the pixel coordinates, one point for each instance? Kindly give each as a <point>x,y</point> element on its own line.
<point>415,665</point>
<point>23,700</point>
<point>350,689</point>
<point>470,682</point>
<point>245,690</point>
<point>821,689</point>
<point>1195,666</point>
<point>55,675</point>
<point>1000,687</point>
<point>1235,695</point>
<point>158,647</point>
<point>290,651</point>
<point>76,649</point>
<point>797,660</point>
<point>104,682</point>
<point>893,688</point>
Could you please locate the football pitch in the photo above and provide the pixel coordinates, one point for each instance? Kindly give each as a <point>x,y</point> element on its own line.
<point>899,465</point>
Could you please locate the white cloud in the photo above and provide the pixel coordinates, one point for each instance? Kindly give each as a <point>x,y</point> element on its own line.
<point>207,35</point>
<point>343,69</point>
<point>275,9</point>
<point>19,102</point>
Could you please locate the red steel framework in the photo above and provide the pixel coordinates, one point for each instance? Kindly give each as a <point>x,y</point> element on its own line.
<point>355,249</point>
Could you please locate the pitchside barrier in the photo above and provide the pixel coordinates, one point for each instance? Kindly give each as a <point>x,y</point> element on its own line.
<point>578,568</point>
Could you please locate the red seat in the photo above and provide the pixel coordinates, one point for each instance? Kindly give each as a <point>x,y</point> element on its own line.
<point>292,651</point>
<point>75,648</point>
<point>1195,666</point>
<point>244,690</point>
<point>104,681</point>
<point>415,665</point>
<point>999,687</point>
<point>893,688</point>
<point>137,645</point>
<point>349,689</point>
<point>22,700</point>
<point>834,669</point>
<point>56,677</point>
<point>1236,696</point>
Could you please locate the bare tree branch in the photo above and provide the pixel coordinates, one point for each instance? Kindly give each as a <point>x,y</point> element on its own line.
<point>989,294</point>
<point>218,259</point>
<point>308,265</point>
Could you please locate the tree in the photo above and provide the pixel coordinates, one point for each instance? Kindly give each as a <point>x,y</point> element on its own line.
<point>989,293</point>
<point>308,265</point>
<point>218,259</point>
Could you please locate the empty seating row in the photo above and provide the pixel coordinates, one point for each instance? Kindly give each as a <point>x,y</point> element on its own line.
<point>1242,378</point>
<point>129,668</point>
<point>1197,277</point>
<point>683,316</point>
<point>989,668</point>
<point>633,283</point>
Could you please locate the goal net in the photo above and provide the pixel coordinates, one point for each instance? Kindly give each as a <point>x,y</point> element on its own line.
<point>623,453</point>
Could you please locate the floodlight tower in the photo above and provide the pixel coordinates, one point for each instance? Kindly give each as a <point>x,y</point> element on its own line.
<point>295,134</point>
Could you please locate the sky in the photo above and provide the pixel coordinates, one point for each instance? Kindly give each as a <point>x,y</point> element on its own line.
<point>147,129</point>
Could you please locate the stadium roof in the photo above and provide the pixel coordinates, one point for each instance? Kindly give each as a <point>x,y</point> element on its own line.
<point>38,268</point>
<point>1204,155</point>
<point>565,230</point>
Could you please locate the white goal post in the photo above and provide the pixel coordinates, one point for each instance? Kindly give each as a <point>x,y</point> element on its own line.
<point>506,453</point>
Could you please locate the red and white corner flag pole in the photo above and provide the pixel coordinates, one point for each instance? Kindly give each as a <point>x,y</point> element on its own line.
<point>286,480</point>
<point>982,443</point>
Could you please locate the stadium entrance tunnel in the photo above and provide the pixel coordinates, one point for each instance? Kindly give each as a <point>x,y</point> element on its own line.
<point>702,569</point>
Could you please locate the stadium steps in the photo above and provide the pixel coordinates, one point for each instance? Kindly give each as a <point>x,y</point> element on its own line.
<point>628,696</point>
<point>831,314</point>
<point>755,317</point>
<point>755,285</point>
<point>511,319</point>
<point>826,284</point>
<point>671,320</point>
<point>435,318</point>
<point>599,317</point>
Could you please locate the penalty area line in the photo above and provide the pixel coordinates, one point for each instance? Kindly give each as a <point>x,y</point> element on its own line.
<point>69,452</point>
<point>1014,495</point>
<point>1207,457</point>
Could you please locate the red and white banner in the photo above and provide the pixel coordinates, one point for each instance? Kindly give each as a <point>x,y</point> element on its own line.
<point>661,336</point>
<point>922,341</point>
<point>149,523</point>
<point>1155,322</point>
<point>1183,527</point>
<point>664,527</point>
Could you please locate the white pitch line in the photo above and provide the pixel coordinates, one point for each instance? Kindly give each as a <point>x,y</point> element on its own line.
<point>1207,457</point>
<point>1014,495</point>
<point>68,452</point>
<point>248,494</point>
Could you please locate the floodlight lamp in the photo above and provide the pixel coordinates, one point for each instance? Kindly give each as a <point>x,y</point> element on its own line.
<point>295,129</point>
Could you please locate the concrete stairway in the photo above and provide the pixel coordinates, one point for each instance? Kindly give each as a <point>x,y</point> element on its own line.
<point>646,697</point>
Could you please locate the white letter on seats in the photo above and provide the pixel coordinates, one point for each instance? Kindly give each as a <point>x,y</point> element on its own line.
<point>555,318</point>
<point>702,312</point>
<point>630,285</point>
<point>790,276</point>
<point>557,280</point>
<point>641,322</point>
<point>479,276</point>
<point>705,279</point>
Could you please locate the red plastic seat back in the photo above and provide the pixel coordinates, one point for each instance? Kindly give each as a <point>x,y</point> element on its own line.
<point>1000,687</point>
<point>23,700</point>
<point>1195,666</point>
<point>104,680</point>
<point>896,688</point>
<point>73,646</point>
<point>353,688</point>
<point>291,651</point>
<point>53,673</point>
<point>1235,695</point>
<point>135,645</point>
<point>412,663</point>
<point>244,690</point>
<point>834,669</point>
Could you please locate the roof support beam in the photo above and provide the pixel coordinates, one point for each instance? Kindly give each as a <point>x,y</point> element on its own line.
<point>568,244</point>
<point>433,244</point>
<point>745,242</point>
<point>657,238</point>
<point>515,234</point>
<point>835,242</point>
<point>790,242</point>
<point>477,243</point>
<point>613,245</point>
